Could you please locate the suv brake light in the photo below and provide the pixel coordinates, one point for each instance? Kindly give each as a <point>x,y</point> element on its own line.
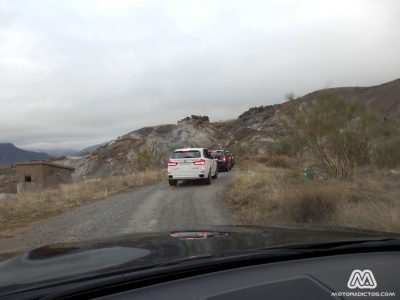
<point>200,162</point>
<point>172,164</point>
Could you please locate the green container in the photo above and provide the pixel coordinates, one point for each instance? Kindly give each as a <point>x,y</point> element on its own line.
<point>306,175</point>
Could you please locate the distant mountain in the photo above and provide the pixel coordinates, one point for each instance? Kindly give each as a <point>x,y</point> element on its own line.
<point>253,132</point>
<point>9,154</point>
<point>54,152</point>
<point>57,152</point>
<point>86,150</point>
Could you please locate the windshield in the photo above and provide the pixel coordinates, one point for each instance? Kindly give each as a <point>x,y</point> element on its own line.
<point>143,118</point>
<point>217,154</point>
<point>186,154</point>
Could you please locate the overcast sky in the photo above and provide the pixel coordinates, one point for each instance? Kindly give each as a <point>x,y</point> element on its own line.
<point>77,73</point>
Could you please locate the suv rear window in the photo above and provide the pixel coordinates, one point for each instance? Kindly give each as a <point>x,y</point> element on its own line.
<point>217,154</point>
<point>186,154</point>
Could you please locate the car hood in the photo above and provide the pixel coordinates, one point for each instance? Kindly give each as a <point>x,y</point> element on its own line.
<point>66,261</point>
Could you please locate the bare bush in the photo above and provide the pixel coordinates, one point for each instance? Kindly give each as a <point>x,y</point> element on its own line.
<point>311,204</point>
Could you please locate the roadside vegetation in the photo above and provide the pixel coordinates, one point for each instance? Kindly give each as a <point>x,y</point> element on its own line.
<point>22,209</point>
<point>342,135</point>
<point>271,190</point>
<point>353,159</point>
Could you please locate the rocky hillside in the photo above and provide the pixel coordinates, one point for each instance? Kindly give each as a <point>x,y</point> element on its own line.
<point>9,155</point>
<point>147,147</point>
<point>253,132</point>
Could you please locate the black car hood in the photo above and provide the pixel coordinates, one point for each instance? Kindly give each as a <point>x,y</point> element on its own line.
<point>67,261</point>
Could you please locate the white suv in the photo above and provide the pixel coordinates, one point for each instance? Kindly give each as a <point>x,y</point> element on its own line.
<point>191,163</point>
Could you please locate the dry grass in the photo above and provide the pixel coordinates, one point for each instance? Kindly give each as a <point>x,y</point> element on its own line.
<point>25,208</point>
<point>276,161</point>
<point>265,195</point>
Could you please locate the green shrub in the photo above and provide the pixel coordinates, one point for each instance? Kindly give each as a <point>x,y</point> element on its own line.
<point>339,133</point>
<point>198,118</point>
<point>144,160</point>
<point>252,110</point>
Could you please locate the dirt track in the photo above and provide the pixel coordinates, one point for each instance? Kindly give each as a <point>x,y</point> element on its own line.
<point>157,207</point>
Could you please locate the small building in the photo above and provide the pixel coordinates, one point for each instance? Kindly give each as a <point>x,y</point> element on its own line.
<point>37,175</point>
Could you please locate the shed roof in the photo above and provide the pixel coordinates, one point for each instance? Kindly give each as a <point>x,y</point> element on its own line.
<point>46,163</point>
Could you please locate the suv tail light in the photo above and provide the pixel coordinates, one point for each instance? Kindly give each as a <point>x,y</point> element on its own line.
<point>172,164</point>
<point>222,158</point>
<point>200,162</point>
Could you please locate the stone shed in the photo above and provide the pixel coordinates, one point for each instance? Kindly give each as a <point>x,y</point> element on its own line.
<point>37,175</point>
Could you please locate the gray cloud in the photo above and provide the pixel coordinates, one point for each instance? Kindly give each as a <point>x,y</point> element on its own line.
<point>76,73</point>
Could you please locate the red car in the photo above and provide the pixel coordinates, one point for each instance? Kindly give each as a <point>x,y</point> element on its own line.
<point>223,158</point>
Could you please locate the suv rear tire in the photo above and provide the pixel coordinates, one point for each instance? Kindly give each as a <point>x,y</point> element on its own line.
<point>216,174</point>
<point>208,179</point>
<point>173,182</point>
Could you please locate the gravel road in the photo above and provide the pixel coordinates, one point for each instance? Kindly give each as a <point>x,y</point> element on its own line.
<point>158,207</point>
